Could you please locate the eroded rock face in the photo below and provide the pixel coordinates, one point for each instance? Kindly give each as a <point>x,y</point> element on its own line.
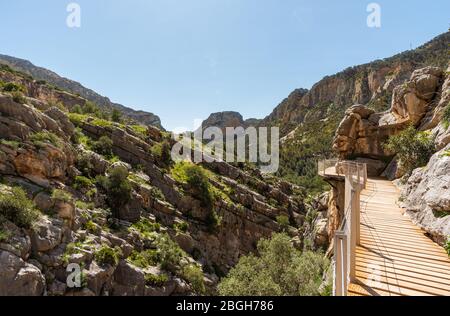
<point>363,133</point>
<point>426,196</point>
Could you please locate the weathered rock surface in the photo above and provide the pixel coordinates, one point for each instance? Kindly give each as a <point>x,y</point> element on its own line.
<point>426,196</point>
<point>19,278</point>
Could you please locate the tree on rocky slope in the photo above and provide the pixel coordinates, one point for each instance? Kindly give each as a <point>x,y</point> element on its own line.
<point>278,269</point>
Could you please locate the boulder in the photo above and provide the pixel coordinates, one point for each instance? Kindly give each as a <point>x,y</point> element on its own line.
<point>45,236</point>
<point>128,280</point>
<point>18,278</point>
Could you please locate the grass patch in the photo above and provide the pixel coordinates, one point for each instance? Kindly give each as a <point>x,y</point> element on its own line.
<point>39,139</point>
<point>156,280</point>
<point>140,130</point>
<point>61,195</point>
<point>146,227</point>
<point>10,143</point>
<point>83,183</point>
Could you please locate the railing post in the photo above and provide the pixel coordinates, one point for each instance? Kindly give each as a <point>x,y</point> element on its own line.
<point>354,223</point>
<point>340,271</point>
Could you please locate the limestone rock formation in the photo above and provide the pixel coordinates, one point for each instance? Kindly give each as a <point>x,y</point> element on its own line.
<point>426,196</point>
<point>363,133</point>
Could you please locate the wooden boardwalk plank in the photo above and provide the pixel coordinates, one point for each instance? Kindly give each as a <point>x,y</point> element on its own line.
<point>395,256</point>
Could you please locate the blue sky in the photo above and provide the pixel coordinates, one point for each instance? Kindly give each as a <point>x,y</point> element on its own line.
<point>184,59</point>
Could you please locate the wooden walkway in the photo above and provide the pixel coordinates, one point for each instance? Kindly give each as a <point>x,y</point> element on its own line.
<point>395,257</point>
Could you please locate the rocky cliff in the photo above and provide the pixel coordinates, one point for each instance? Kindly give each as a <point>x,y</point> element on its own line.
<point>42,74</point>
<point>78,189</point>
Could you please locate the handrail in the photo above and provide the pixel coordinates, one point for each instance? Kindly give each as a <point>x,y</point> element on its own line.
<point>347,237</point>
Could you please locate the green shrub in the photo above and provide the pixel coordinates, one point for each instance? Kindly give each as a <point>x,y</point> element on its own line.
<point>83,205</point>
<point>103,146</point>
<point>156,280</point>
<point>4,235</point>
<point>18,97</point>
<point>14,87</point>
<point>182,226</point>
<point>145,227</point>
<point>108,256</point>
<point>82,183</point>
<point>163,153</point>
<point>283,221</point>
<point>77,109</point>
<point>44,137</point>
<point>91,227</point>
<point>117,186</point>
<point>413,148</point>
<point>279,269</point>
<point>197,180</point>
<point>144,259</point>
<point>116,116</point>
<point>194,275</point>
<point>170,253</point>
<point>17,208</point>
<point>61,195</point>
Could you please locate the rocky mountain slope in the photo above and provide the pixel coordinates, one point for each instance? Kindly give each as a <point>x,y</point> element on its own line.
<point>308,119</point>
<point>78,188</point>
<point>76,88</point>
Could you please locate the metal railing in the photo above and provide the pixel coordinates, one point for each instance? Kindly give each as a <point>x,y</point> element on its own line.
<point>347,237</point>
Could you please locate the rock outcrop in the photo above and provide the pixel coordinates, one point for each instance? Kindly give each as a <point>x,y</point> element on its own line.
<point>426,196</point>
<point>363,133</point>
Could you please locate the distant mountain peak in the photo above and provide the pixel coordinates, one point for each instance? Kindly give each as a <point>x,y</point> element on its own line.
<point>40,73</point>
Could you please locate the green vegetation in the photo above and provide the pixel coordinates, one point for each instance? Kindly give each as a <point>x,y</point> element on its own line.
<point>108,256</point>
<point>283,221</point>
<point>117,186</point>
<point>197,179</point>
<point>74,248</point>
<point>91,227</point>
<point>83,183</point>
<point>116,116</point>
<point>13,87</point>
<point>413,148</point>
<point>311,142</point>
<point>103,146</point>
<point>10,143</point>
<point>4,235</point>
<point>194,275</point>
<point>39,139</point>
<point>61,195</point>
<point>156,280</point>
<point>17,208</point>
<point>18,97</point>
<point>279,269</point>
<point>181,227</point>
<point>139,130</point>
<point>144,259</point>
<point>146,227</point>
<point>83,205</point>
<point>162,151</point>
